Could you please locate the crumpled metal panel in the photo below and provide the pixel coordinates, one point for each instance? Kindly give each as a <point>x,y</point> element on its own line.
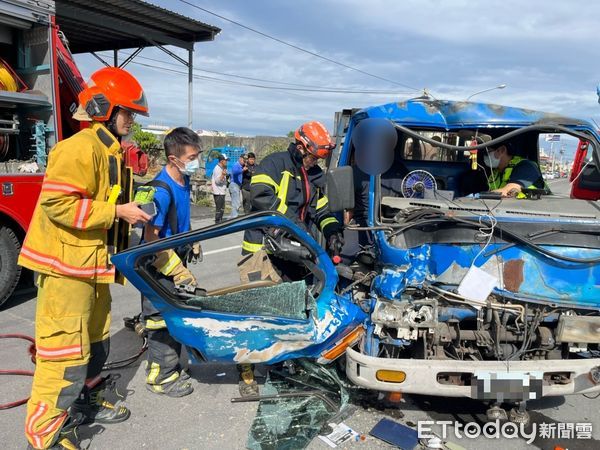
<point>250,338</point>
<point>521,273</point>
<point>530,275</point>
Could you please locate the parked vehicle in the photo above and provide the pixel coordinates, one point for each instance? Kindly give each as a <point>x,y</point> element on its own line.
<point>232,153</point>
<point>35,112</point>
<point>39,87</point>
<point>447,294</point>
<point>584,174</point>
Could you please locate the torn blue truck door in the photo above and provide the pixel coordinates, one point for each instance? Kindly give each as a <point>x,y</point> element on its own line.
<point>254,322</point>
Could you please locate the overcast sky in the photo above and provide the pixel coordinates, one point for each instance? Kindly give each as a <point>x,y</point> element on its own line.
<point>545,52</point>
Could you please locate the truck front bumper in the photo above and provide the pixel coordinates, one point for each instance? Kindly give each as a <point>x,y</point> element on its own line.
<point>450,378</point>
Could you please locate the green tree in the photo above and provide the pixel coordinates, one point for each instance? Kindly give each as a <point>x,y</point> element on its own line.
<point>147,142</point>
<point>273,148</point>
<point>291,134</point>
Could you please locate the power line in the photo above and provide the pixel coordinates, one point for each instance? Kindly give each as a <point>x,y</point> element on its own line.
<point>263,80</point>
<point>281,41</point>
<point>277,88</point>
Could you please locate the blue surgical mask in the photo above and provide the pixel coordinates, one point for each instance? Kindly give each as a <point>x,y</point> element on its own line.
<point>190,167</point>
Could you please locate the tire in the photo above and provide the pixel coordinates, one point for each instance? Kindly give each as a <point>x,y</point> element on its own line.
<point>9,270</point>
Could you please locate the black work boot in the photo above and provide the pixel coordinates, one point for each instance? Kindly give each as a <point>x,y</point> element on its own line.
<point>66,438</point>
<point>178,388</point>
<point>95,408</point>
<point>248,386</point>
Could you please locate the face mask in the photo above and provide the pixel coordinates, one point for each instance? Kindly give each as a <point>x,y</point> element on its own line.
<point>491,160</point>
<point>191,167</point>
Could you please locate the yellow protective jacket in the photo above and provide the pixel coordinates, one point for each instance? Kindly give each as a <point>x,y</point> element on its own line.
<point>69,231</point>
<point>497,179</point>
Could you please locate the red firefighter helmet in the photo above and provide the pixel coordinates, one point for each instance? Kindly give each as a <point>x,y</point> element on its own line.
<point>112,87</point>
<point>315,138</point>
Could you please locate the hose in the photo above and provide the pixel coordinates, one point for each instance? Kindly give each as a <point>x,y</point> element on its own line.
<point>7,81</point>
<point>110,365</point>
<point>27,373</point>
<point>537,248</point>
<point>549,127</point>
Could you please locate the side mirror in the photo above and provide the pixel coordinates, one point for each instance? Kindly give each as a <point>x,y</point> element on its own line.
<point>340,188</point>
<point>374,141</point>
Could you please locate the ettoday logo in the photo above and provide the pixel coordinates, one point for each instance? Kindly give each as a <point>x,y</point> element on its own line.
<point>507,430</point>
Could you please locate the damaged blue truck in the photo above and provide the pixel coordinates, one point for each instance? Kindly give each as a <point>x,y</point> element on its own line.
<point>442,289</point>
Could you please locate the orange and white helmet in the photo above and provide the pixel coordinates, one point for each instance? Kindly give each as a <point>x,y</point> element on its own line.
<point>112,87</point>
<point>315,138</point>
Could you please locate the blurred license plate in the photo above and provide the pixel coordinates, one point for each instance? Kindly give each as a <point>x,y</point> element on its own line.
<point>507,386</point>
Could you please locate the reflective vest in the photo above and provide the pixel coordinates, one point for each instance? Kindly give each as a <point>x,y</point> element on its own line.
<point>74,228</point>
<point>497,180</point>
<point>281,183</point>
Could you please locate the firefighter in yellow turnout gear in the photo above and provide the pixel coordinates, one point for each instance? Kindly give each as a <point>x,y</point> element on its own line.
<point>73,232</point>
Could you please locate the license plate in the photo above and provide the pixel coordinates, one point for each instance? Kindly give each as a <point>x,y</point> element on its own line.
<point>507,386</point>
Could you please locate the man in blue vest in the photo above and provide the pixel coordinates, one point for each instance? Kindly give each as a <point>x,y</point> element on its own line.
<point>512,174</point>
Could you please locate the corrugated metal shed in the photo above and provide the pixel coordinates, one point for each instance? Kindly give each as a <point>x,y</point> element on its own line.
<point>93,25</point>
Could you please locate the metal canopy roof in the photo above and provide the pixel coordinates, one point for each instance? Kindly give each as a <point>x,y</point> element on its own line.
<point>93,25</point>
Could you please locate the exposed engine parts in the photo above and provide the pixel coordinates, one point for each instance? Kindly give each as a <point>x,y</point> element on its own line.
<point>407,318</point>
<point>430,325</point>
<point>580,329</point>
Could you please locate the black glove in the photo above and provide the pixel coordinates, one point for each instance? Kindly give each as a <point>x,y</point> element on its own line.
<point>193,253</point>
<point>335,243</point>
<point>285,248</point>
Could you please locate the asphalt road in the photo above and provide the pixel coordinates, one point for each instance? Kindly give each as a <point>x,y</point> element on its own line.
<point>560,186</point>
<point>207,420</point>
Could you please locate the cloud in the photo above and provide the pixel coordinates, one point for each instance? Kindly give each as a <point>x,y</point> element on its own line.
<point>452,48</point>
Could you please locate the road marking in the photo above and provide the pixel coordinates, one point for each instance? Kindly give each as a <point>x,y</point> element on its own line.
<point>221,250</point>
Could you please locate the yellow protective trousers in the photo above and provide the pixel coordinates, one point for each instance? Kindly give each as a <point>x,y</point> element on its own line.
<point>72,321</point>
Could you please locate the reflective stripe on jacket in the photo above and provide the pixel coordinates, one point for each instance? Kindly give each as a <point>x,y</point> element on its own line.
<point>69,230</point>
<point>281,183</point>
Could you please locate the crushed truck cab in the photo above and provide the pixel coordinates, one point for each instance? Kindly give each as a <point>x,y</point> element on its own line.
<point>473,292</point>
<point>443,287</point>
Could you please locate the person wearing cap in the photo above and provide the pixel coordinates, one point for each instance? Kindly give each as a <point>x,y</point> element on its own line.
<point>219,186</point>
<point>76,226</point>
<point>249,169</point>
<point>292,183</point>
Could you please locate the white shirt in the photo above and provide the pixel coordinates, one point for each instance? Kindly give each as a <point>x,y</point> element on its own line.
<point>219,187</point>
